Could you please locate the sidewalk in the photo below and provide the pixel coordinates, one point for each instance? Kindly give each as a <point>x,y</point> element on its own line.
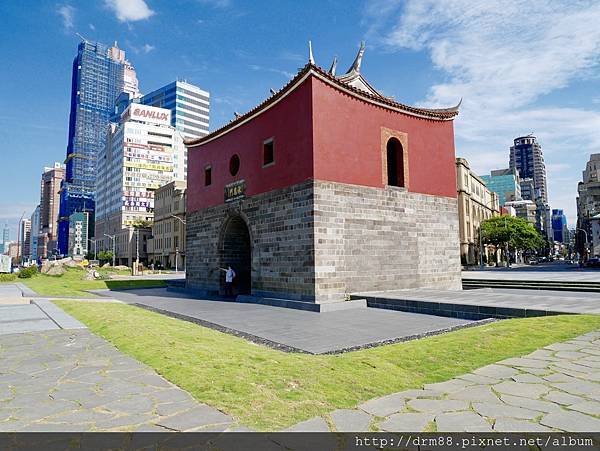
<point>73,381</point>
<point>556,388</point>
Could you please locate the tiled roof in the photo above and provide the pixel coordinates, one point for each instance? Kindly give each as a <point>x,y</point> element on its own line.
<point>426,113</point>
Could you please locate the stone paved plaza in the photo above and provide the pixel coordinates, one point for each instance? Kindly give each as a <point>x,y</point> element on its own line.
<point>311,332</point>
<point>556,388</point>
<point>72,380</point>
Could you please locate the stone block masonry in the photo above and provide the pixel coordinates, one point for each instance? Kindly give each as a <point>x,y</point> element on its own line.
<point>280,227</point>
<point>317,241</point>
<point>369,239</point>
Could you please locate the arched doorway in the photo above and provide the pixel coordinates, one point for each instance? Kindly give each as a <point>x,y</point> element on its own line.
<point>395,163</point>
<point>236,250</point>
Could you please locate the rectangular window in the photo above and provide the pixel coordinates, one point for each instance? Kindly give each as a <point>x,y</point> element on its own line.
<point>268,152</point>
<point>207,176</point>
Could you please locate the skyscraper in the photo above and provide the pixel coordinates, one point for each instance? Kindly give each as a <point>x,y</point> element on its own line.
<point>559,226</point>
<point>526,156</point>
<point>25,239</point>
<point>35,232</point>
<point>99,75</point>
<point>52,179</point>
<point>189,107</point>
<point>5,239</point>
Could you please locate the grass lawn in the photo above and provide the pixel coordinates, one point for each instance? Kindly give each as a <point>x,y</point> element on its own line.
<point>71,283</point>
<point>269,390</point>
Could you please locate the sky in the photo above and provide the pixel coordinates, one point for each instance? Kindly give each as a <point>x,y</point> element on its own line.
<point>520,67</point>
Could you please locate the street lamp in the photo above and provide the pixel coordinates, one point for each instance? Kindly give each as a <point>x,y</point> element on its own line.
<point>94,242</point>
<point>112,237</point>
<point>177,248</point>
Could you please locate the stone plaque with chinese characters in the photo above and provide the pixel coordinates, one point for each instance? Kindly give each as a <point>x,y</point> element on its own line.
<point>235,191</point>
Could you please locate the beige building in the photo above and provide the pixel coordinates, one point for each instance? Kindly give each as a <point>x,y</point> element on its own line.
<point>525,209</point>
<point>49,203</point>
<point>167,245</point>
<point>475,203</point>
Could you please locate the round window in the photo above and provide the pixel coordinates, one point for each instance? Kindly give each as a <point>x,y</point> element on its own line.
<point>234,164</point>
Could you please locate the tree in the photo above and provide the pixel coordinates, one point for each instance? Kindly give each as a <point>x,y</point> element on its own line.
<point>105,256</point>
<point>505,230</point>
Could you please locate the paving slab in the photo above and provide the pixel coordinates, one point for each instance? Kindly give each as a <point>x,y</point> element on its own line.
<point>81,391</point>
<point>385,406</point>
<point>589,407</point>
<point>35,317</point>
<point>507,396</point>
<point>532,404</point>
<point>316,424</point>
<point>329,331</point>
<point>461,422</point>
<point>498,410</point>
<point>571,421</point>
<point>515,425</point>
<point>407,422</point>
<point>350,420</point>
<point>438,405</point>
<point>522,389</point>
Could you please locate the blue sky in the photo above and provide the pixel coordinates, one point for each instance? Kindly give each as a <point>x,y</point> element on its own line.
<point>520,67</point>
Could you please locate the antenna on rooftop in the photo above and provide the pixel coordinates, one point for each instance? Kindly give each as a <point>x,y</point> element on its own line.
<point>81,37</point>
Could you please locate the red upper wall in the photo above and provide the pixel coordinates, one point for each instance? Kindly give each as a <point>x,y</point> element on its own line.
<point>288,122</point>
<point>323,133</point>
<point>347,143</point>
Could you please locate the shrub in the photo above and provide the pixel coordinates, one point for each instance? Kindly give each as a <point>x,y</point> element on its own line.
<point>7,277</point>
<point>28,273</point>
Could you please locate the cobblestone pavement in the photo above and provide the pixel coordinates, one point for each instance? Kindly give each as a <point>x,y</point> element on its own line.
<point>72,380</point>
<point>556,388</point>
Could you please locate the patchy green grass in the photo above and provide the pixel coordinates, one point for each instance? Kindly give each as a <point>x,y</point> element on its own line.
<point>71,283</point>
<point>269,390</point>
<point>8,278</point>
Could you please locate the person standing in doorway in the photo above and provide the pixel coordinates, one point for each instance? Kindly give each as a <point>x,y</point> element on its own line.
<point>229,276</point>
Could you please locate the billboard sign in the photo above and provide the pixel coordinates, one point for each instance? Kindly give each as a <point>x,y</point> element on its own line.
<point>149,114</point>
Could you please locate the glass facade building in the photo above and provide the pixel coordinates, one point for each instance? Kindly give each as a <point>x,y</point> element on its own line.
<point>189,106</point>
<point>559,226</point>
<point>99,74</point>
<point>505,183</point>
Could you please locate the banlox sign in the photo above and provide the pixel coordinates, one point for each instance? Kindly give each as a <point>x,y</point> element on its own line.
<point>150,114</point>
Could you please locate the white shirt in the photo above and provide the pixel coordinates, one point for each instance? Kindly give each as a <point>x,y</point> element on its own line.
<point>229,275</point>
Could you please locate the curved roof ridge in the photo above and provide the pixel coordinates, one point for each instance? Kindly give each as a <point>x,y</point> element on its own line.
<point>425,113</point>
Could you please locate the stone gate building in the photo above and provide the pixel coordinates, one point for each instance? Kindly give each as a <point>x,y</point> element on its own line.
<point>326,188</point>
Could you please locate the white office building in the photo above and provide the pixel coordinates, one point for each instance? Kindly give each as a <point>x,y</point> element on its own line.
<point>143,152</point>
<point>189,106</point>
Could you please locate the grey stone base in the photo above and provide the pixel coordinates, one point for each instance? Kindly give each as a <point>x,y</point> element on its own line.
<point>300,305</point>
<point>454,310</point>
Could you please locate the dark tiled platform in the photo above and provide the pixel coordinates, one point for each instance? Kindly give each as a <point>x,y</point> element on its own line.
<point>483,303</point>
<point>315,333</point>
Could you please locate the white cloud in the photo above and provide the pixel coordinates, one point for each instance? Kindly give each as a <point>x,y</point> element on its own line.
<point>129,10</point>
<point>501,57</point>
<point>147,48</point>
<point>92,27</point>
<point>67,14</point>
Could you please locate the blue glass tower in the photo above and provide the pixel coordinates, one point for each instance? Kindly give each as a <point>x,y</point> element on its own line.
<point>559,226</point>
<point>99,74</point>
